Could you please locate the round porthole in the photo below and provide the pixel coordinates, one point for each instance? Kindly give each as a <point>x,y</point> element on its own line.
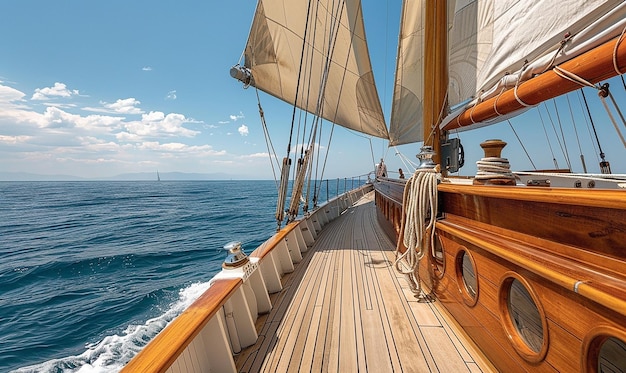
<point>612,356</point>
<point>604,350</point>
<point>523,318</point>
<point>439,258</point>
<point>466,277</point>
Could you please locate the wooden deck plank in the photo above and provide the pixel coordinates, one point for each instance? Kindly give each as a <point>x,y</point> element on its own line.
<point>345,308</point>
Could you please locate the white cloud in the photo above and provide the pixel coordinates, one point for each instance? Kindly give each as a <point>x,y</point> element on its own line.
<point>236,117</point>
<point>178,148</point>
<point>171,95</point>
<point>8,94</point>
<point>157,124</point>
<point>256,155</point>
<point>58,90</point>
<point>14,139</point>
<point>125,106</point>
<point>243,130</point>
<point>146,68</point>
<point>56,118</point>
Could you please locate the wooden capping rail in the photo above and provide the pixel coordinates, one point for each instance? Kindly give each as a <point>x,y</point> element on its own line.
<point>269,245</point>
<point>606,198</point>
<point>165,348</point>
<point>594,66</point>
<point>543,265</point>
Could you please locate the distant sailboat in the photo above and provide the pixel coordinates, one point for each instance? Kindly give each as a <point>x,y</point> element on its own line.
<point>158,176</point>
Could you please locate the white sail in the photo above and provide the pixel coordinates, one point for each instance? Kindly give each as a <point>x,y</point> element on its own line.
<point>332,77</point>
<point>406,124</point>
<point>496,44</point>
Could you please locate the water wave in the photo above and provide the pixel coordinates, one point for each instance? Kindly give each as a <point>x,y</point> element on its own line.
<point>114,351</point>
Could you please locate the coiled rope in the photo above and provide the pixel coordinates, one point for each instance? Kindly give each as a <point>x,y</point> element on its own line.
<point>419,212</point>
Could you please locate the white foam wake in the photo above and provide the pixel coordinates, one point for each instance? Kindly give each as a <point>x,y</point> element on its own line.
<point>114,351</point>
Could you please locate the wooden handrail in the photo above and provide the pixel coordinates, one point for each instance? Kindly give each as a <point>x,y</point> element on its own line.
<point>161,352</point>
<point>269,245</point>
<point>591,284</point>
<point>606,198</point>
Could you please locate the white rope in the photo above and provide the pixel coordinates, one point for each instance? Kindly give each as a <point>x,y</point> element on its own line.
<point>517,83</point>
<point>617,42</point>
<point>419,200</point>
<point>608,111</point>
<point>493,168</point>
<point>572,77</point>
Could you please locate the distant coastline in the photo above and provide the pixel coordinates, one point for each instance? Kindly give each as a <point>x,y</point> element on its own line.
<point>140,176</point>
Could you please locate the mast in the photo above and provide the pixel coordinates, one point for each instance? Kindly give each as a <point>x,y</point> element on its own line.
<point>435,72</point>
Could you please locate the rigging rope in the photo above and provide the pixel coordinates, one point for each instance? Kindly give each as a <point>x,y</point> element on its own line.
<point>558,139</point>
<point>608,111</point>
<point>556,164</point>
<point>580,149</point>
<point>419,212</point>
<point>522,144</point>
<point>604,165</point>
<point>558,118</point>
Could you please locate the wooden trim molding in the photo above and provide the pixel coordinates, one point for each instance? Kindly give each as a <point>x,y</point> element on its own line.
<point>612,199</point>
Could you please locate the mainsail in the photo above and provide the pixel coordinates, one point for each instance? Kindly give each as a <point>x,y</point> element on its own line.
<point>498,44</point>
<point>406,111</point>
<point>314,55</point>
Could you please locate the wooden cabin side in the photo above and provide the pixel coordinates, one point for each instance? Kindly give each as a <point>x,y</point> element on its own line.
<point>561,249</point>
<point>223,320</point>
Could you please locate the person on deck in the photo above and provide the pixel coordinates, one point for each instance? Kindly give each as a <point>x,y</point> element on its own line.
<point>381,169</point>
<point>401,173</point>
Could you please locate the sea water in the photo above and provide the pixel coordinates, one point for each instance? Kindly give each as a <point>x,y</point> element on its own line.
<point>91,271</point>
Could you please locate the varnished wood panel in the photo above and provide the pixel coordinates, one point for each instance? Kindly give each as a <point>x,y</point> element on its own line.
<point>594,220</point>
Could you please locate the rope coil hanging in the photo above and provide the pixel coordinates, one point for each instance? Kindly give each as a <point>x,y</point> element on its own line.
<point>419,212</point>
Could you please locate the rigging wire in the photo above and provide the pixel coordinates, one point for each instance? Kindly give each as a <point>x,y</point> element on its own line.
<point>268,139</point>
<point>580,149</point>
<point>619,132</point>
<point>304,168</point>
<point>602,155</point>
<point>593,144</point>
<point>558,139</point>
<point>319,190</point>
<point>565,151</point>
<point>295,104</point>
<point>521,143</point>
<point>556,163</point>
<point>408,164</point>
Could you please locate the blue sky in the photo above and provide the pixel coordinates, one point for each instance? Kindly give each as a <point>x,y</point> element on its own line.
<point>97,89</point>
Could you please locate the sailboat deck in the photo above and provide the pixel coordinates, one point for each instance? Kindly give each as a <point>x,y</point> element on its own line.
<point>345,308</point>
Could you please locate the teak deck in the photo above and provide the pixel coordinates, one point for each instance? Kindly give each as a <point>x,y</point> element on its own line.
<point>345,308</point>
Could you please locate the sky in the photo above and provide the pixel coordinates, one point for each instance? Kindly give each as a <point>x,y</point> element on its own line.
<point>97,89</point>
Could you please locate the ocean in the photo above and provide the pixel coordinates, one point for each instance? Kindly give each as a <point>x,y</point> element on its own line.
<point>91,271</point>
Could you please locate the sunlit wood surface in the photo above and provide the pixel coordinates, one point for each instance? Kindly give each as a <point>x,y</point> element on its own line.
<point>345,309</point>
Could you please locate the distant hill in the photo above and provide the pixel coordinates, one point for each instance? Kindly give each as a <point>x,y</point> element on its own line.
<point>141,176</point>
